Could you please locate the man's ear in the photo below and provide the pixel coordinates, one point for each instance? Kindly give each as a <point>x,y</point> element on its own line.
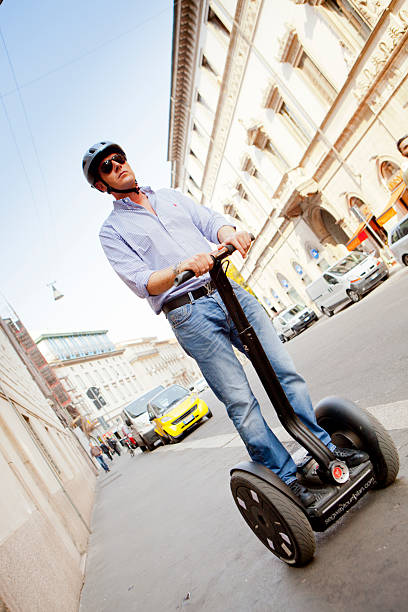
<point>100,187</point>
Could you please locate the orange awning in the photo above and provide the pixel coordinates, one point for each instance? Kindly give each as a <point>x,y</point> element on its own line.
<point>357,237</point>
<point>390,210</point>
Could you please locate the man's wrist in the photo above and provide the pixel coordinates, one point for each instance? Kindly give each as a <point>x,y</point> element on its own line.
<point>176,269</point>
<point>225,232</point>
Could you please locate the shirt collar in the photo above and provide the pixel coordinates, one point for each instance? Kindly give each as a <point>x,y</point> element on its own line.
<point>127,202</point>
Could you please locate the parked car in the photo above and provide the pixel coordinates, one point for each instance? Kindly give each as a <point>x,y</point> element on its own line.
<point>200,385</point>
<point>136,414</point>
<point>293,320</point>
<point>174,411</point>
<point>347,281</point>
<point>398,241</point>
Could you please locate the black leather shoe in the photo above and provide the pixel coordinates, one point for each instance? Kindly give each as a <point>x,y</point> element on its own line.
<point>350,456</point>
<point>305,495</point>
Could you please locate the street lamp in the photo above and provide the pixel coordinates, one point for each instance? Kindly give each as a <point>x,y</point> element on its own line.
<point>57,295</point>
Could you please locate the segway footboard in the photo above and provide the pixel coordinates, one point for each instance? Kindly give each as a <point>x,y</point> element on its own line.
<point>332,500</point>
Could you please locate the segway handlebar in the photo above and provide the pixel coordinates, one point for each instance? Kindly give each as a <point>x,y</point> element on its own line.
<point>217,255</point>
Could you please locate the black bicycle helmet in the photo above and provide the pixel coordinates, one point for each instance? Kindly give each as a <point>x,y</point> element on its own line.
<point>94,156</point>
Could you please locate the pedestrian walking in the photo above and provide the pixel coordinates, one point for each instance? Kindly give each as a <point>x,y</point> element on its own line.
<point>96,453</point>
<point>113,445</point>
<point>152,236</point>
<point>106,451</point>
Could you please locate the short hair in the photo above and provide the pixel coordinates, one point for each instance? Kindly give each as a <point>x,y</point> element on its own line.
<point>400,140</point>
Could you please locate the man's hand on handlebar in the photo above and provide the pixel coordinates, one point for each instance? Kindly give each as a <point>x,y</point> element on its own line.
<point>199,264</point>
<point>240,240</point>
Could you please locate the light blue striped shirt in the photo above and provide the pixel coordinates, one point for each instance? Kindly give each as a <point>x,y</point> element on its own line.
<point>138,243</point>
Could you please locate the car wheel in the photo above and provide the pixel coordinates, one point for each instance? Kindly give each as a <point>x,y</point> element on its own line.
<point>282,338</point>
<point>354,295</point>
<point>327,311</point>
<point>209,414</point>
<point>405,260</point>
<point>144,449</point>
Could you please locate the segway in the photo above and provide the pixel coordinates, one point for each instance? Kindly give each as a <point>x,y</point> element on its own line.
<point>273,512</point>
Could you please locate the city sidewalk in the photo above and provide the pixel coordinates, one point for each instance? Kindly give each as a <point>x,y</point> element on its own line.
<point>166,535</point>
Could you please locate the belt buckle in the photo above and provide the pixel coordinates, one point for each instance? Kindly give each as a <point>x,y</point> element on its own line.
<point>209,288</point>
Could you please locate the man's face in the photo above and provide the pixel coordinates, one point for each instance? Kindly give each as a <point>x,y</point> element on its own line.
<point>403,147</point>
<point>121,175</point>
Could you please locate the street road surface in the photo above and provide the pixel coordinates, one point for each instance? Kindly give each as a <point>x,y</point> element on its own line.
<point>166,532</point>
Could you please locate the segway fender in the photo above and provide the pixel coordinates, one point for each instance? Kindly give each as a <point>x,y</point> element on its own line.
<point>265,474</point>
<point>346,412</point>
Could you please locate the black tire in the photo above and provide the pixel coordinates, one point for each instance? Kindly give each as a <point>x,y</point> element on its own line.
<point>282,339</point>
<point>405,260</point>
<point>209,414</point>
<point>144,449</point>
<point>353,427</point>
<point>327,311</point>
<point>354,296</point>
<point>277,521</point>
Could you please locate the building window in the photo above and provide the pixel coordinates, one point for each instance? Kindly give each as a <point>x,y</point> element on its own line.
<point>215,21</point>
<point>207,66</point>
<point>293,123</point>
<point>256,136</point>
<point>344,10</point>
<point>230,209</point>
<point>249,166</point>
<point>291,51</point>
<point>359,208</point>
<point>388,171</point>
<point>239,187</point>
<point>319,82</point>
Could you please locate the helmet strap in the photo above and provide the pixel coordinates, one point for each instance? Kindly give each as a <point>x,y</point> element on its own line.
<point>135,189</point>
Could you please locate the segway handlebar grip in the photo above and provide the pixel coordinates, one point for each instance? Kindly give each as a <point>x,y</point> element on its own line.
<point>216,255</point>
<point>183,277</point>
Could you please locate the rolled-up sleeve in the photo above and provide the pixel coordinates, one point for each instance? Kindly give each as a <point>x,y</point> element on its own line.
<point>206,220</point>
<point>125,261</point>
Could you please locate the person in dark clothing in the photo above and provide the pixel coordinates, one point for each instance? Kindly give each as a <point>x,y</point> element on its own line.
<point>114,445</point>
<point>107,451</point>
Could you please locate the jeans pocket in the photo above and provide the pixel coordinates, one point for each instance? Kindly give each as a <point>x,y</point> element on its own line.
<point>179,315</point>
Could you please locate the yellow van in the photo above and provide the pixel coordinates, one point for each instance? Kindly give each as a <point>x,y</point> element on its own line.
<point>176,410</point>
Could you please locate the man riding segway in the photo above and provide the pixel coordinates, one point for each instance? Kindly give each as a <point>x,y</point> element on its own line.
<point>152,236</point>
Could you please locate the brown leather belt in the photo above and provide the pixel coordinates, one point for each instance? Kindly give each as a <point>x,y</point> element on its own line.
<point>187,298</point>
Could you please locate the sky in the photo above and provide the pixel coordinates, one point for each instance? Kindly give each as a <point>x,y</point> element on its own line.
<point>73,73</point>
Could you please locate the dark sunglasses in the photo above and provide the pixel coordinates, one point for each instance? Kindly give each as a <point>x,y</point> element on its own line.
<point>106,166</point>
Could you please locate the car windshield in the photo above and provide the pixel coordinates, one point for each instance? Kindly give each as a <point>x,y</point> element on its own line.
<point>169,397</point>
<point>400,231</point>
<point>348,263</point>
<point>289,314</point>
<point>139,405</point>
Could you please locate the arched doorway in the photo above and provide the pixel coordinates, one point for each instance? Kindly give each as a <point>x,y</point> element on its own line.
<point>290,291</point>
<point>299,270</point>
<point>314,253</point>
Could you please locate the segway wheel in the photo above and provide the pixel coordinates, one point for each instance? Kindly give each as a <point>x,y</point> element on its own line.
<point>353,427</point>
<point>280,525</point>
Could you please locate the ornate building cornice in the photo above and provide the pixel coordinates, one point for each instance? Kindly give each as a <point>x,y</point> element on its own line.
<point>394,36</point>
<point>246,15</point>
<point>187,19</point>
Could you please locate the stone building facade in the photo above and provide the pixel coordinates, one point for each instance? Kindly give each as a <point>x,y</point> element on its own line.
<point>95,372</point>
<point>285,116</point>
<point>160,362</point>
<point>47,496</point>
<point>103,378</point>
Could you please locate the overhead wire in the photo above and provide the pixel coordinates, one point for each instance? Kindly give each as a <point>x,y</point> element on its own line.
<point>17,90</point>
<point>87,53</point>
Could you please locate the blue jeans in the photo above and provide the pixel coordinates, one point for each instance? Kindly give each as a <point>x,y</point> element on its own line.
<point>206,332</point>
<point>102,463</point>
